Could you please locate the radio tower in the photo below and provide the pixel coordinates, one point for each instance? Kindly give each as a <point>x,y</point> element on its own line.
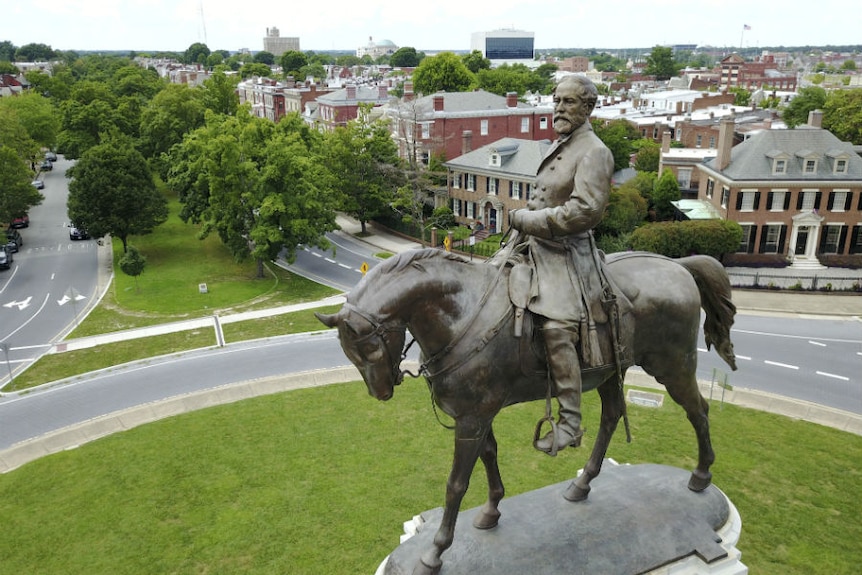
<point>203,22</point>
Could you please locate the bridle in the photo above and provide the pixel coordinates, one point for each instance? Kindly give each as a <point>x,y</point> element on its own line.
<point>379,330</point>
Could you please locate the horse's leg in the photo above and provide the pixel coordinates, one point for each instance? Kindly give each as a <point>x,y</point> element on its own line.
<point>490,513</point>
<point>470,440</point>
<point>612,410</point>
<point>682,388</point>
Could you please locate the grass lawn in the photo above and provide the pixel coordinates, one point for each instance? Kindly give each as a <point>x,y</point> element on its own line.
<point>320,480</point>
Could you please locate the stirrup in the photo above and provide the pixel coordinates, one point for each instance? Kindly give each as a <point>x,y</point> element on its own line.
<point>538,435</point>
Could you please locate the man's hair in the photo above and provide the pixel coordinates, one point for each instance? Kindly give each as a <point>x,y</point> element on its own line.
<point>587,91</point>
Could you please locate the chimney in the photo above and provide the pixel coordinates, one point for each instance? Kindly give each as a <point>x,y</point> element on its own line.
<point>725,142</point>
<point>438,102</point>
<point>351,92</point>
<point>665,142</point>
<point>511,99</point>
<point>382,92</point>
<point>408,91</point>
<point>815,118</point>
<point>466,142</point>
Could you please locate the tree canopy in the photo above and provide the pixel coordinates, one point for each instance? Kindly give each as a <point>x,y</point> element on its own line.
<point>443,72</point>
<point>405,57</point>
<point>806,99</point>
<point>112,192</point>
<point>292,62</point>
<point>661,64</point>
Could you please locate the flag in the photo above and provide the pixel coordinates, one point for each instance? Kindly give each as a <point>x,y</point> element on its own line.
<point>746,27</point>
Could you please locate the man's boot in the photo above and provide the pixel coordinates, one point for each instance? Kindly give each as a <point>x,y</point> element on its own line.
<point>565,368</point>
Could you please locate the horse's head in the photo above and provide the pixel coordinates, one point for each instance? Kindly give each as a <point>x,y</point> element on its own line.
<point>374,347</point>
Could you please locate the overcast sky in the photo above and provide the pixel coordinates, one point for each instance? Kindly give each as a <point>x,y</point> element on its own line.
<point>173,25</point>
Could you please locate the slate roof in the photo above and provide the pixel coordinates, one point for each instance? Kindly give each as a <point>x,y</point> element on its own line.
<point>519,159</point>
<point>753,158</point>
<point>466,102</point>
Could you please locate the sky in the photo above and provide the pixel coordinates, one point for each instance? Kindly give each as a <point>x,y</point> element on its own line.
<point>429,26</point>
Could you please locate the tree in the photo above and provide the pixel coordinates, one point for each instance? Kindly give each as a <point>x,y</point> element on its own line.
<point>842,115</point>
<point>262,187</point>
<point>666,191</point>
<point>405,57</point>
<point>254,69</point>
<point>626,210</point>
<point>475,61</point>
<point>648,155</point>
<point>292,61</point>
<point>34,53</point>
<point>660,63</point>
<point>18,196</point>
<point>504,79</point>
<point>197,53</point>
<point>743,96</point>
<point>172,113</point>
<point>133,263</point>
<point>619,137</point>
<point>443,72</point>
<point>7,51</point>
<point>112,192</point>
<point>220,94</point>
<point>364,160</point>
<point>264,57</point>
<point>807,99</point>
<point>37,115</point>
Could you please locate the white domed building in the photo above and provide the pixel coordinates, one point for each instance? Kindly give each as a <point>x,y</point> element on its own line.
<point>377,49</point>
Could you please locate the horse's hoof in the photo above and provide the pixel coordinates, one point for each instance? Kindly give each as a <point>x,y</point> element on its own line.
<point>486,520</point>
<point>699,481</point>
<point>575,493</point>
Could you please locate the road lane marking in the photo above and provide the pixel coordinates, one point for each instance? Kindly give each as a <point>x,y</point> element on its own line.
<point>345,266</point>
<point>832,375</point>
<point>330,260</point>
<point>777,364</point>
<point>821,344</point>
<point>743,357</point>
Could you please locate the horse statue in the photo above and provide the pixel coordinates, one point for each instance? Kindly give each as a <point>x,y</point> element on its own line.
<point>460,314</point>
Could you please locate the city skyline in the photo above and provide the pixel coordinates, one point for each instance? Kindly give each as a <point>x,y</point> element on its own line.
<point>173,25</point>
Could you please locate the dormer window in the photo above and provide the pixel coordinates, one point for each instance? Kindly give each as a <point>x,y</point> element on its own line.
<point>810,166</point>
<point>841,166</point>
<point>840,161</point>
<point>809,162</point>
<point>494,160</point>
<point>779,167</point>
<point>779,162</point>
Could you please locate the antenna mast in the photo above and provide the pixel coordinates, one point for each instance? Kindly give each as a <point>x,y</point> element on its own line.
<point>203,22</point>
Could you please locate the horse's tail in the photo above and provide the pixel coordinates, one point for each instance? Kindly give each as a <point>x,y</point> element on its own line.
<point>714,287</point>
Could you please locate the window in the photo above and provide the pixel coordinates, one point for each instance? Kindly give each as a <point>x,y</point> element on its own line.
<point>515,190</point>
<point>471,210</point>
<point>483,127</point>
<point>810,166</point>
<point>492,186</point>
<point>710,188</point>
<point>456,206</point>
<point>725,196</point>
<point>698,141</point>
<point>712,142</point>
<point>831,239</point>
<point>747,201</point>
<point>840,166</point>
<point>747,242</point>
<point>839,200</point>
<point>426,131</point>
<point>773,237</point>
<point>456,180</point>
<point>525,125</point>
<point>808,199</point>
<point>683,178</point>
<point>495,160</point>
<point>777,202</point>
<point>543,123</point>
<point>471,182</point>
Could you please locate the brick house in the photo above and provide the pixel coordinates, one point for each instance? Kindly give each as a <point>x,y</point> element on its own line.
<point>760,74</point>
<point>340,106</point>
<point>796,193</point>
<point>486,183</point>
<point>450,124</point>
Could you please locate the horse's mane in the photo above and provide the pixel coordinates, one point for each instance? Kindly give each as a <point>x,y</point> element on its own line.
<point>410,257</point>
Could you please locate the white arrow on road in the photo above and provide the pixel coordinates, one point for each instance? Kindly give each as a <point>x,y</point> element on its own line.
<point>66,298</point>
<point>20,304</point>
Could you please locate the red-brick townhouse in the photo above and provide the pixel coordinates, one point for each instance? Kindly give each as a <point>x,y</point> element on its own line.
<point>486,183</point>
<point>762,73</point>
<point>265,95</point>
<point>796,193</point>
<point>449,124</point>
<point>340,106</point>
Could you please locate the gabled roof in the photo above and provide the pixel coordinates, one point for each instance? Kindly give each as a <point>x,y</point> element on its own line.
<point>753,158</point>
<point>518,158</point>
<point>461,102</point>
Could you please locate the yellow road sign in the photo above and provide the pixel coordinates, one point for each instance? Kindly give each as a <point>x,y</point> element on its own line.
<point>364,268</point>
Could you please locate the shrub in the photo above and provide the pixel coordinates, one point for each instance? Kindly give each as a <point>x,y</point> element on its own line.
<point>678,239</point>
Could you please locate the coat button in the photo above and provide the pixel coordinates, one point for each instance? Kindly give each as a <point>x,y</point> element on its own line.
<point>559,157</point>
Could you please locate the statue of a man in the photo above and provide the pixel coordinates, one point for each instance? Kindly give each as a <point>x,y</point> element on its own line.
<point>572,191</point>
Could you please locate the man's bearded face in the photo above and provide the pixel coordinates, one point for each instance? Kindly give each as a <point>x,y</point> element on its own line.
<point>570,112</point>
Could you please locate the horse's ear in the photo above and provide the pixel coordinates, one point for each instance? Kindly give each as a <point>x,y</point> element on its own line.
<point>329,320</point>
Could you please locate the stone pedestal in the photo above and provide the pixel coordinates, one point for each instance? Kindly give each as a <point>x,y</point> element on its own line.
<point>638,519</point>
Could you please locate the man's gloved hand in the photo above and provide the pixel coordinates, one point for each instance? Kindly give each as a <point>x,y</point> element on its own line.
<point>514,218</point>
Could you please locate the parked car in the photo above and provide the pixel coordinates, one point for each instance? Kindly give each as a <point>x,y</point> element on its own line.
<point>6,258</point>
<point>21,222</point>
<point>76,233</point>
<point>51,156</point>
<point>38,184</point>
<point>14,241</point>
<point>46,166</point>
